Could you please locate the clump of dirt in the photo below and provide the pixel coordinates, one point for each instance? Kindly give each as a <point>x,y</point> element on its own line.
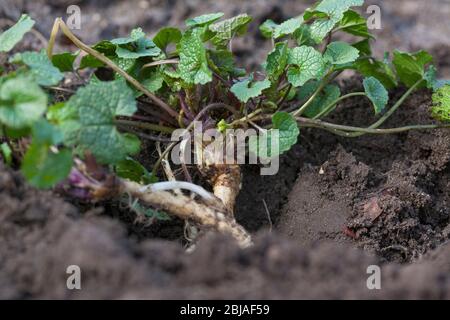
<point>388,194</point>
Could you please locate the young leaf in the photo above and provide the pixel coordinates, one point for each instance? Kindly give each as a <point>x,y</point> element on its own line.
<point>107,47</point>
<point>135,46</point>
<point>22,102</point>
<point>287,27</point>
<point>410,66</point>
<point>288,127</point>
<point>134,36</point>
<point>45,73</point>
<point>353,23</point>
<point>223,61</point>
<point>13,35</point>
<point>90,62</point>
<point>430,78</point>
<point>303,36</point>
<point>334,10</point>
<point>306,63</point>
<point>329,94</point>
<point>277,61</point>
<point>203,20</point>
<point>441,104</point>
<point>320,28</point>
<point>43,166</point>
<point>193,66</point>
<point>64,61</point>
<point>246,89</point>
<point>153,82</point>
<point>67,120</point>
<point>90,120</point>
<point>340,53</point>
<point>134,171</point>
<point>166,36</point>
<point>225,30</point>
<point>376,93</point>
<point>144,48</point>
<point>377,69</point>
<point>364,47</point>
<point>6,153</point>
<point>267,28</point>
<point>337,7</point>
<point>288,132</point>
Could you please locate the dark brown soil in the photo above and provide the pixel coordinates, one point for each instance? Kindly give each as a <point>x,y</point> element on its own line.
<point>386,193</point>
<point>336,206</point>
<point>41,236</point>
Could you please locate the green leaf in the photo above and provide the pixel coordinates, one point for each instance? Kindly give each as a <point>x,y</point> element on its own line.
<point>67,120</point>
<point>430,78</point>
<point>410,67</point>
<point>135,46</point>
<point>225,30</point>
<point>193,65</point>
<point>134,171</point>
<point>285,132</point>
<point>22,102</point>
<point>247,89</point>
<point>363,46</point>
<point>17,133</point>
<point>88,120</point>
<point>6,153</point>
<point>353,23</point>
<point>143,48</point>
<point>135,35</point>
<point>329,94</point>
<point>203,20</point>
<point>43,166</point>
<point>287,27</point>
<point>106,47</point>
<point>340,53</point>
<point>64,61</point>
<point>277,61</point>
<point>166,36</point>
<point>41,67</point>
<point>45,133</point>
<point>125,64</point>
<point>337,7</point>
<point>321,27</point>
<point>378,70</point>
<point>376,93</point>
<point>441,104</point>
<point>13,35</point>
<point>267,28</point>
<point>223,61</point>
<point>222,126</point>
<point>334,10</point>
<point>153,82</point>
<point>90,62</point>
<point>306,63</point>
<point>303,36</point>
<point>288,128</point>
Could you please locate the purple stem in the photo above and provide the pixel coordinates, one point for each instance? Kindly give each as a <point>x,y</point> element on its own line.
<point>185,108</point>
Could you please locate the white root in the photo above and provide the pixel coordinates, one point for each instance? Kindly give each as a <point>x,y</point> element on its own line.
<point>206,215</point>
<point>225,181</point>
<point>174,185</point>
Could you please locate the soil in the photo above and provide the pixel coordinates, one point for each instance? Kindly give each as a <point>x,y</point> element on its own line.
<point>337,205</point>
<point>386,194</point>
<point>42,235</point>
